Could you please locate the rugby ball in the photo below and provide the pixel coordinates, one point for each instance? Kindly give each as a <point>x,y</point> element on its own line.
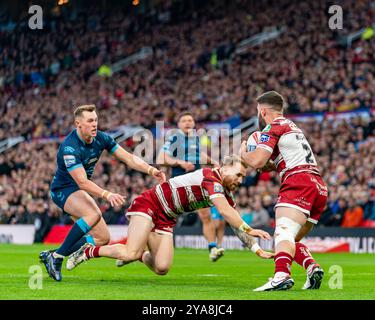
<point>253,141</point>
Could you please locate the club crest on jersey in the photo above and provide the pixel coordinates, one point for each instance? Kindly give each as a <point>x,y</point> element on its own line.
<point>69,149</point>
<point>264,137</point>
<point>69,160</point>
<point>218,188</point>
<point>267,128</point>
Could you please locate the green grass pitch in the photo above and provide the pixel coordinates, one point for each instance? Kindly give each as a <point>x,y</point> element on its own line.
<point>192,277</point>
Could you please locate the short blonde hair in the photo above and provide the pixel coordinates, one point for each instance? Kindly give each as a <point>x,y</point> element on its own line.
<point>233,159</point>
<point>86,107</point>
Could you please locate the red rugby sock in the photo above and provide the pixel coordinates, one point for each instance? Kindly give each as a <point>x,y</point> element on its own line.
<point>92,252</point>
<point>303,256</point>
<point>283,262</point>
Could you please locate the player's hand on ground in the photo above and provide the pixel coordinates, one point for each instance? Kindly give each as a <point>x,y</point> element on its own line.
<point>188,166</point>
<point>159,175</point>
<point>116,200</point>
<point>260,233</point>
<point>265,254</point>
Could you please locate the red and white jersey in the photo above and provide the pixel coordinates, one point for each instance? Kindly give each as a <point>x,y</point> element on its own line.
<point>290,151</point>
<point>191,191</point>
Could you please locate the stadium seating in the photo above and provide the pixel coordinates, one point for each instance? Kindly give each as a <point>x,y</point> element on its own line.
<point>194,66</point>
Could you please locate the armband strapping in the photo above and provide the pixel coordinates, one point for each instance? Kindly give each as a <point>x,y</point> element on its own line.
<point>255,247</point>
<point>245,227</point>
<point>150,170</point>
<point>106,194</point>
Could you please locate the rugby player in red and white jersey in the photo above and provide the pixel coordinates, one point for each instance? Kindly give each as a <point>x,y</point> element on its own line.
<point>302,195</point>
<point>154,213</point>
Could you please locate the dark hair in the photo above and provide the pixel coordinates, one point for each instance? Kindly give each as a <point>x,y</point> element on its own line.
<point>87,107</point>
<point>183,114</point>
<point>272,99</point>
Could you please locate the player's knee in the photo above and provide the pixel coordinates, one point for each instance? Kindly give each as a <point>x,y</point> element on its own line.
<point>161,270</point>
<point>96,216</point>
<point>106,238</point>
<point>286,230</point>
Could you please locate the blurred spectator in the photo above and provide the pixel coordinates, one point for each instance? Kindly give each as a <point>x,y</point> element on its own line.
<point>260,217</point>
<point>44,218</point>
<point>334,217</point>
<point>353,216</point>
<point>244,208</point>
<point>113,215</point>
<point>268,205</point>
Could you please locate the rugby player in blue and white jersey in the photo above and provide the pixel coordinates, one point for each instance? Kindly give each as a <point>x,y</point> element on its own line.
<point>72,189</point>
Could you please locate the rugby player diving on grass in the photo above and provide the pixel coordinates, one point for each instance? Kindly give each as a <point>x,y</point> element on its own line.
<point>154,213</point>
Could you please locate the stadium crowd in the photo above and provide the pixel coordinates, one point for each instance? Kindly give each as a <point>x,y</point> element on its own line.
<point>193,67</point>
<point>44,73</point>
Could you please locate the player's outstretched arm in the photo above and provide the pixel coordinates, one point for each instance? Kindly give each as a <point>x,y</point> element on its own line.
<point>250,242</point>
<point>245,233</point>
<point>138,164</point>
<point>232,216</point>
<point>80,177</point>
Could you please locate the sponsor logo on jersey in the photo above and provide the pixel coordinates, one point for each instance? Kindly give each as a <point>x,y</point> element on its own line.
<point>303,201</point>
<point>264,137</point>
<point>92,160</point>
<point>218,188</point>
<point>267,128</point>
<point>251,147</point>
<point>69,160</point>
<point>69,149</point>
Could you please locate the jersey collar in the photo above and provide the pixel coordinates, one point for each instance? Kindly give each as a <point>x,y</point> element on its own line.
<point>217,172</point>
<point>184,134</point>
<point>83,141</point>
<point>279,118</point>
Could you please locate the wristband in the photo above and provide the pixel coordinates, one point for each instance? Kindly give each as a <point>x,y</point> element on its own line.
<point>255,247</point>
<point>106,194</point>
<point>245,227</point>
<point>152,170</point>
